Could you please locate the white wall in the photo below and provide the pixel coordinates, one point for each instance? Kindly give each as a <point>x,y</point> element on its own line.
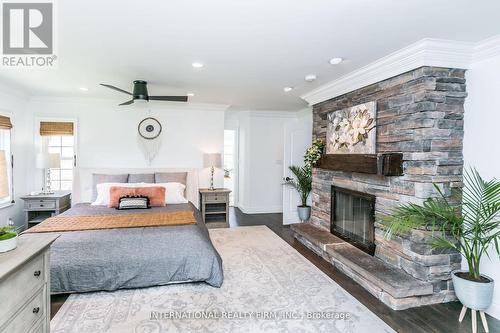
<point>481,143</point>
<point>13,104</point>
<point>107,134</point>
<point>261,140</point>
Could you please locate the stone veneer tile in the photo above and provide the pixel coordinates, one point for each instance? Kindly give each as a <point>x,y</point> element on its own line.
<point>419,113</point>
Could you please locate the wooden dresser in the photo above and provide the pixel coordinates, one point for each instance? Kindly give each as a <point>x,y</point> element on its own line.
<point>25,286</point>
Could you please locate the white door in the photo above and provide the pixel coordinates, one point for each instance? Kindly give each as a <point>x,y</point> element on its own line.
<point>298,137</point>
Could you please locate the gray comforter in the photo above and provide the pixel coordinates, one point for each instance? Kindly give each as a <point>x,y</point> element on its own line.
<point>113,259</point>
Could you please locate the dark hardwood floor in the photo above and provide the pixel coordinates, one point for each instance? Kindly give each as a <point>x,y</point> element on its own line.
<point>433,318</point>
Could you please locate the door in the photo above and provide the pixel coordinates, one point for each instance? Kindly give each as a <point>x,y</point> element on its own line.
<point>298,137</point>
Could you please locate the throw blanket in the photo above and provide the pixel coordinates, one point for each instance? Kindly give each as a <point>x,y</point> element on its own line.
<point>97,222</point>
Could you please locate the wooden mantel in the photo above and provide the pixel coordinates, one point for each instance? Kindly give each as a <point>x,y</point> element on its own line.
<point>390,164</point>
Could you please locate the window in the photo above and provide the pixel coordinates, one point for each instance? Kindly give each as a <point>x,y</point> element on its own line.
<point>61,178</point>
<point>6,191</point>
<point>5,167</point>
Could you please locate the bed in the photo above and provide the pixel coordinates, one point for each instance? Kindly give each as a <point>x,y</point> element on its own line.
<point>119,258</point>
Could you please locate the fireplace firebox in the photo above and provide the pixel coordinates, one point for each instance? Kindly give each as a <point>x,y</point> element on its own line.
<point>352,218</point>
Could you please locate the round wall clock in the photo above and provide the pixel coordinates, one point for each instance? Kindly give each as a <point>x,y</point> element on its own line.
<point>149,128</point>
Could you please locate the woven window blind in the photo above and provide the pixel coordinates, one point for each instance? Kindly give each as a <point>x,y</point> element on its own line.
<point>56,128</point>
<point>5,122</point>
<point>4,178</point>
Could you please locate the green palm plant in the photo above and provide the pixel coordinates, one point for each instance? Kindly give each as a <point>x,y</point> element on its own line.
<point>470,229</point>
<point>302,182</point>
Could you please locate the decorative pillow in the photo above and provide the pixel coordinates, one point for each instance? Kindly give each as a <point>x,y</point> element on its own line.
<point>171,177</point>
<point>141,178</point>
<point>98,178</point>
<point>133,203</point>
<point>155,194</point>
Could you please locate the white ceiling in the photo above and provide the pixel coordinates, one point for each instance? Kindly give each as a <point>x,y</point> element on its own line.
<point>251,49</point>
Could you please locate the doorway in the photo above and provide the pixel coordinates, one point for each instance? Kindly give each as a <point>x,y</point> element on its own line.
<point>230,163</point>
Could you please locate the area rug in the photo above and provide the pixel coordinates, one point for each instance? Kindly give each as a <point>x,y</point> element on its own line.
<point>268,287</point>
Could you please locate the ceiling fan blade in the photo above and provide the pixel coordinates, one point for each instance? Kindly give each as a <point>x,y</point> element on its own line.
<point>127,103</point>
<point>115,88</point>
<point>169,98</point>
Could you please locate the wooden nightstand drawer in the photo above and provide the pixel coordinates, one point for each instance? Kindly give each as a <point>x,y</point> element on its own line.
<point>216,197</point>
<point>29,314</point>
<point>42,204</point>
<point>19,286</point>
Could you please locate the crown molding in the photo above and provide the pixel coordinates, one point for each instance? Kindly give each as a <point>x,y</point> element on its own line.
<point>426,52</point>
<point>269,114</point>
<point>486,49</point>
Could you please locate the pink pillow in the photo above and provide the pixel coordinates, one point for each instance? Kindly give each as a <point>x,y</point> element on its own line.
<point>156,195</point>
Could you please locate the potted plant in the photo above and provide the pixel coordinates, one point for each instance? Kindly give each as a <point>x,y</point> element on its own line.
<point>471,229</point>
<point>303,184</point>
<point>313,154</point>
<point>8,238</point>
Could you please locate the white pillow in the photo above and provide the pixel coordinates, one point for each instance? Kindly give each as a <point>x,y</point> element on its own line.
<point>174,192</point>
<point>102,189</point>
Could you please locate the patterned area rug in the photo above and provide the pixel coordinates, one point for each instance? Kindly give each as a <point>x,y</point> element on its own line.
<point>268,287</point>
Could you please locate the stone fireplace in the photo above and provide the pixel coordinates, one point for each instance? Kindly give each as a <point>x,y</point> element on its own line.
<point>420,115</point>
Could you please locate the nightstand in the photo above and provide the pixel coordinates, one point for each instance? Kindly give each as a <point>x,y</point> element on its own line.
<point>214,206</point>
<point>39,207</point>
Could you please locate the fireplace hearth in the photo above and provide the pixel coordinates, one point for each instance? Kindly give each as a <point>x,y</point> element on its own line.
<point>353,218</point>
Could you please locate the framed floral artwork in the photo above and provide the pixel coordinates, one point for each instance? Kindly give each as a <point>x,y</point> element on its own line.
<point>352,130</point>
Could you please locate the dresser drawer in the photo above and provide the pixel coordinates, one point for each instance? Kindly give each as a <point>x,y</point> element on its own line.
<point>40,327</point>
<point>215,197</point>
<point>20,286</point>
<point>41,204</point>
<point>29,315</point>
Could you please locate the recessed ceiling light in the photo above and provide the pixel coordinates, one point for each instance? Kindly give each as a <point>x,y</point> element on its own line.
<point>197,65</point>
<point>287,89</point>
<point>336,61</point>
<point>310,77</point>
<point>84,89</point>
<point>190,94</point>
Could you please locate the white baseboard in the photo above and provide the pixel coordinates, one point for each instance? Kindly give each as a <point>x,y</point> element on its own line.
<point>260,210</point>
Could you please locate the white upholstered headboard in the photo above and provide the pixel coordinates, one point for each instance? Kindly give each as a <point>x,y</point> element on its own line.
<point>82,185</point>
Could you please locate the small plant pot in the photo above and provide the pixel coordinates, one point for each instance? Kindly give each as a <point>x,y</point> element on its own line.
<point>304,212</point>
<point>8,244</point>
<point>474,295</point>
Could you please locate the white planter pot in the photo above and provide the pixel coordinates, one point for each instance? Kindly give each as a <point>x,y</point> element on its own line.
<point>304,212</point>
<point>8,244</point>
<point>472,294</point>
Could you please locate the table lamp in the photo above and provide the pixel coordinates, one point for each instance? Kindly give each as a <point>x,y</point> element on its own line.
<point>212,161</point>
<point>46,161</point>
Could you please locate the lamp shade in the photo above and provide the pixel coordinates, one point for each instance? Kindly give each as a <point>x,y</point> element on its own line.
<point>212,160</point>
<point>48,161</point>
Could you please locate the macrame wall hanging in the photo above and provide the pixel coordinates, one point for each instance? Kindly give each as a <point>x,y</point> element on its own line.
<point>149,138</point>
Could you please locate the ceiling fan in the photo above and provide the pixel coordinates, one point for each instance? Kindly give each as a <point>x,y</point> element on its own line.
<point>140,94</point>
